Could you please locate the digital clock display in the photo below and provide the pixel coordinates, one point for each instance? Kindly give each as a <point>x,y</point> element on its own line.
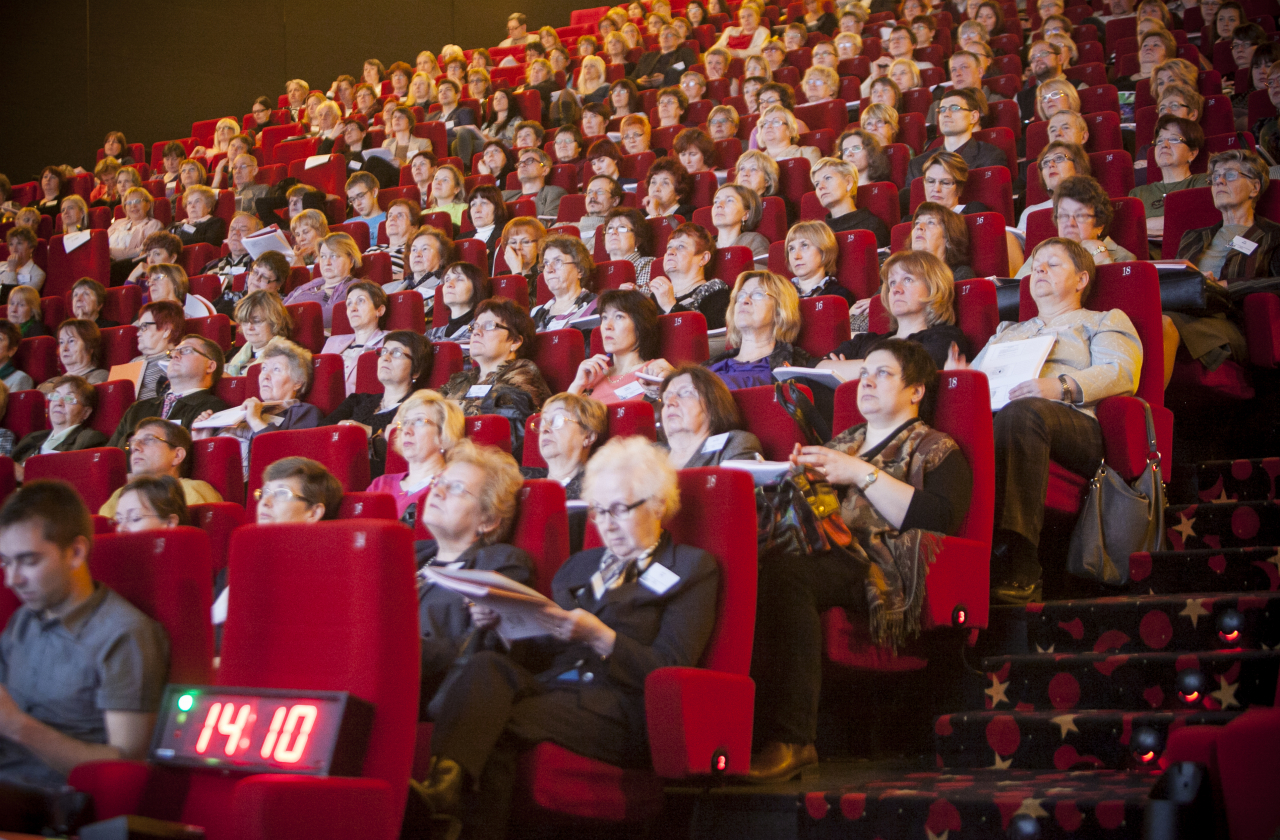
<point>259,730</point>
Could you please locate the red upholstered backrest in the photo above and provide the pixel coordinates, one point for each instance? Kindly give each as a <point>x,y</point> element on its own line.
<point>542,529</point>
<point>359,504</point>
<point>308,324</point>
<point>114,398</point>
<point>218,520</point>
<point>289,625</point>
<point>37,357</point>
<point>631,417</point>
<point>91,259</point>
<point>119,344</point>
<point>769,421</point>
<point>1134,288</point>
<point>216,460</point>
<point>446,361</point>
<point>166,574</point>
<point>684,337</point>
<point>824,324</point>
<point>857,267</point>
<point>1186,210</point>
<point>557,354</point>
<point>718,514</point>
<point>95,473</point>
<point>328,382</point>
<point>26,413</point>
<point>490,430</point>
<point>344,450</point>
<point>8,477</point>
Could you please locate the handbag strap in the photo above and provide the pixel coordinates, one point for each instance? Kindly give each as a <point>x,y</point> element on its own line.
<point>802,411</point>
<point>1153,448</point>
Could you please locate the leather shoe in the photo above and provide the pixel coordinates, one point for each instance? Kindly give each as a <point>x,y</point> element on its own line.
<point>1015,594</point>
<point>442,790</point>
<point>779,762</point>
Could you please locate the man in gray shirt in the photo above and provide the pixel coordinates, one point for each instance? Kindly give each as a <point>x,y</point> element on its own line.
<point>81,669</point>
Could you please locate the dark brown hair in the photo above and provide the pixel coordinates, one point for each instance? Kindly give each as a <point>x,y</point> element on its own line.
<point>717,401</point>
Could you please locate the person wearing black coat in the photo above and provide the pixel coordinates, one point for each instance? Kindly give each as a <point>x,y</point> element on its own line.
<point>664,67</point>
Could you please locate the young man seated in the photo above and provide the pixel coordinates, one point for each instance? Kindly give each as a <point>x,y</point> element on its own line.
<point>362,192</point>
<point>81,669</point>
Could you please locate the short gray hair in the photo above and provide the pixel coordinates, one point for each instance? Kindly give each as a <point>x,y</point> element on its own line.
<point>1250,163</point>
<point>643,465</point>
<point>298,358</point>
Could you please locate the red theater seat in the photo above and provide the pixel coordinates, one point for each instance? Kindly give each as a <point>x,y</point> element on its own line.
<point>95,473</point>
<point>824,324</point>
<point>768,421</point>
<point>557,353</point>
<point>216,460</point>
<point>218,520</point>
<point>90,259</point>
<point>358,504</point>
<point>344,450</point>
<point>114,399</point>
<point>26,413</point>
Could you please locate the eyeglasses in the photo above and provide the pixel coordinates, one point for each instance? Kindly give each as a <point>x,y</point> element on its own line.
<point>600,193</point>
<point>357,197</point>
<point>682,394</point>
<point>417,424</point>
<point>727,121</point>
<point>555,264</point>
<point>187,350</point>
<point>617,230</point>
<point>558,421</point>
<point>1055,160</point>
<point>1043,54</point>
<point>756,296</point>
<point>134,519</point>
<point>134,202</point>
<point>618,511</point>
<point>1078,218</point>
<point>143,326</point>
<point>451,489</point>
<point>1227,176</point>
<point>873,124</point>
<point>68,399</point>
<point>1170,141</point>
<point>392,353</point>
<point>488,327</point>
<point>147,440</point>
<point>278,495</point>
<point>529,161</point>
<point>1166,107</point>
<point>772,100</point>
<point>1052,95</point>
<point>814,83</point>
<point>948,183</point>
<point>633,136</point>
<point>853,150</point>
<point>952,109</point>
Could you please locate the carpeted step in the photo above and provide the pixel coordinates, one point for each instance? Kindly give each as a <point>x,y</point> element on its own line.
<point>1231,679</point>
<point>1237,481</point>
<point>1222,525</point>
<point>1057,740</point>
<point>1099,805</point>
<point>1205,570</point>
<point>1134,624</point>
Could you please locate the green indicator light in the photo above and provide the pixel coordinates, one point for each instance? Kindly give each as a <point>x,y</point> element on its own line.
<point>186,702</point>
<point>181,718</point>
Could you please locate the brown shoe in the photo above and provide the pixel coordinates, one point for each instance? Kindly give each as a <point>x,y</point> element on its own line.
<point>442,790</point>
<point>779,762</point>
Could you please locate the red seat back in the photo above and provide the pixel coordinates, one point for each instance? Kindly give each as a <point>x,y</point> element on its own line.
<point>728,263</point>
<point>328,383</point>
<point>684,338</point>
<point>217,461</point>
<point>407,311</point>
<point>359,504</point>
<point>344,450</point>
<point>91,259</point>
<point>857,266</point>
<point>37,357</point>
<point>95,473</point>
<point>216,328</point>
<point>357,230</point>
<point>490,430</point>
<point>114,398</point>
<point>329,175</point>
<point>768,421</point>
<point>308,324</point>
<point>541,529</point>
<point>218,520</point>
<point>26,413</point>
<point>824,324</point>
<point>194,258</point>
<point>119,344</point>
<point>166,574</point>
<point>557,353</point>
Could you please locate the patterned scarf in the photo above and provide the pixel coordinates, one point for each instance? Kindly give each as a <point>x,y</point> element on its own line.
<point>897,561</point>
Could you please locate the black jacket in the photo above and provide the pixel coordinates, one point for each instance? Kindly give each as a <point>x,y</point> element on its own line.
<point>184,413</point>
<point>671,65</point>
<point>82,438</point>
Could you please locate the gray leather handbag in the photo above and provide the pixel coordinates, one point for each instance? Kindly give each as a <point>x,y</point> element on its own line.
<point>1119,519</point>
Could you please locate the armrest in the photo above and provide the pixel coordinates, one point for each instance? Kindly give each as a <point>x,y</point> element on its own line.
<point>961,576</point>
<point>1124,434</point>
<point>281,807</point>
<point>692,714</point>
<point>1262,328</point>
<point>117,787</point>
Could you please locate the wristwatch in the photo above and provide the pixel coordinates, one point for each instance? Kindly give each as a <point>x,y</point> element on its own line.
<point>871,479</point>
<point>1067,396</point>
<point>1098,250</point>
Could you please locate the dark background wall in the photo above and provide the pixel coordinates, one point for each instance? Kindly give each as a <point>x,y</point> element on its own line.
<point>150,68</point>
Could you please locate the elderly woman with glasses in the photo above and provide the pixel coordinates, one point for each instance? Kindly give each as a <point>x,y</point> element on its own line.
<point>566,267</point>
<point>602,640</point>
<point>1083,213</point>
<point>427,427</point>
<point>568,431</point>
<point>1057,161</point>
<point>629,236</point>
<point>701,422</point>
<point>777,131</point>
<point>71,403</point>
<point>338,257</point>
<point>1242,246</point>
<point>262,317</point>
<point>881,122</point>
<point>1177,142</point>
<point>200,225</point>
<point>127,234</point>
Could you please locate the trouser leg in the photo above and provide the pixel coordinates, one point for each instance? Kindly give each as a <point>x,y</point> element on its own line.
<point>787,661</point>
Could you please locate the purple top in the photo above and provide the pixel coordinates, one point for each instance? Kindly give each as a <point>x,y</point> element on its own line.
<point>736,374</point>
<point>314,291</point>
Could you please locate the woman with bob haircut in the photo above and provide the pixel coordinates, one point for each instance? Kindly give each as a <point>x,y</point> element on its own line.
<point>762,321</point>
<point>80,352</point>
<point>464,286</point>
<point>262,318</point>
<point>631,339</point>
<point>567,270</point>
<point>338,257</point>
<point>149,503</point>
<point>696,405</point>
<point>427,427</point>
<point>943,233</point>
<point>917,292</point>
<point>568,431</point>
<point>811,255</point>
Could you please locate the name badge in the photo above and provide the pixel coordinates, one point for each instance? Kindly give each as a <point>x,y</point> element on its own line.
<point>658,579</point>
<point>448,124</point>
<point>475,392</point>
<point>679,65</point>
<point>597,586</point>
<point>630,390</point>
<point>1244,246</point>
<point>715,443</point>
<point>192,229</point>
<point>355,164</point>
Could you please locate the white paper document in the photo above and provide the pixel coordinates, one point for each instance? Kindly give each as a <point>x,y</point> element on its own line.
<point>820,375</point>
<point>762,472</point>
<point>315,160</point>
<point>268,239</point>
<point>1010,363</point>
<point>72,241</point>
<point>227,417</point>
<point>379,152</point>
<point>522,609</point>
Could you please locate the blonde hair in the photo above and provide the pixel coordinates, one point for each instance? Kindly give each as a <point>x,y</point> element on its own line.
<point>498,497</point>
<point>772,174</point>
<point>880,111</point>
<point>298,358</point>
<point>911,66</point>
<point>139,192</point>
<point>431,89</point>
<point>592,414</point>
<point>444,413</point>
<point>793,128</point>
<point>830,76</point>
<point>210,197</point>
<point>313,219</point>
<point>844,168</point>
<point>594,62</point>
<point>820,236</point>
<point>1062,85</point>
<point>786,306</point>
<point>343,245</point>
<point>32,297</point>
<point>941,305</point>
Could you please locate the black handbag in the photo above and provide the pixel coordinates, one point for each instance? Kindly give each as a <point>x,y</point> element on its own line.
<point>1187,291</point>
<point>1118,519</point>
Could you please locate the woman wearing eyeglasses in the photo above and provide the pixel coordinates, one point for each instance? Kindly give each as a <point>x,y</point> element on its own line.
<point>1177,143</point>
<point>70,405</point>
<point>261,317</point>
<point>427,427</point>
<point>568,431</point>
<point>701,422</point>
<point>1083,213</point>
<point>149,503</point>
<point>127,234</point>
<point>638,602</point>
<point>367,306</point>
<point>502,342</point>
<point>1056,162</point>
<point>1242,246</point>
<point>566,267</point>
<point>169,282</point>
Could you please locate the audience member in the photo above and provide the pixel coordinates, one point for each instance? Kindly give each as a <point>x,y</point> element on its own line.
<point>701,422</point>
<point>569,428</point>
<point>162,448</point>
<point>261,317</point>
<point>71,402</point>
<point>195,366</point>
<point>366,308</point>
<point>427,427</point>
<point>812,252</point>
<point>683,285</point>
<point>567,270</point>
<point>151,502</point>
<point>630,337</point>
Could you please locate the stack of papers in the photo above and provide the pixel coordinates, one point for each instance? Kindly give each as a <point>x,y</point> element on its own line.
<point>820,375</point>
<point>523,610</point>
<point>268,239</point>
<point>1010,363</point>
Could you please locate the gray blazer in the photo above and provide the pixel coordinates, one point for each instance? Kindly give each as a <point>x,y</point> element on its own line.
<point>741,446</point>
